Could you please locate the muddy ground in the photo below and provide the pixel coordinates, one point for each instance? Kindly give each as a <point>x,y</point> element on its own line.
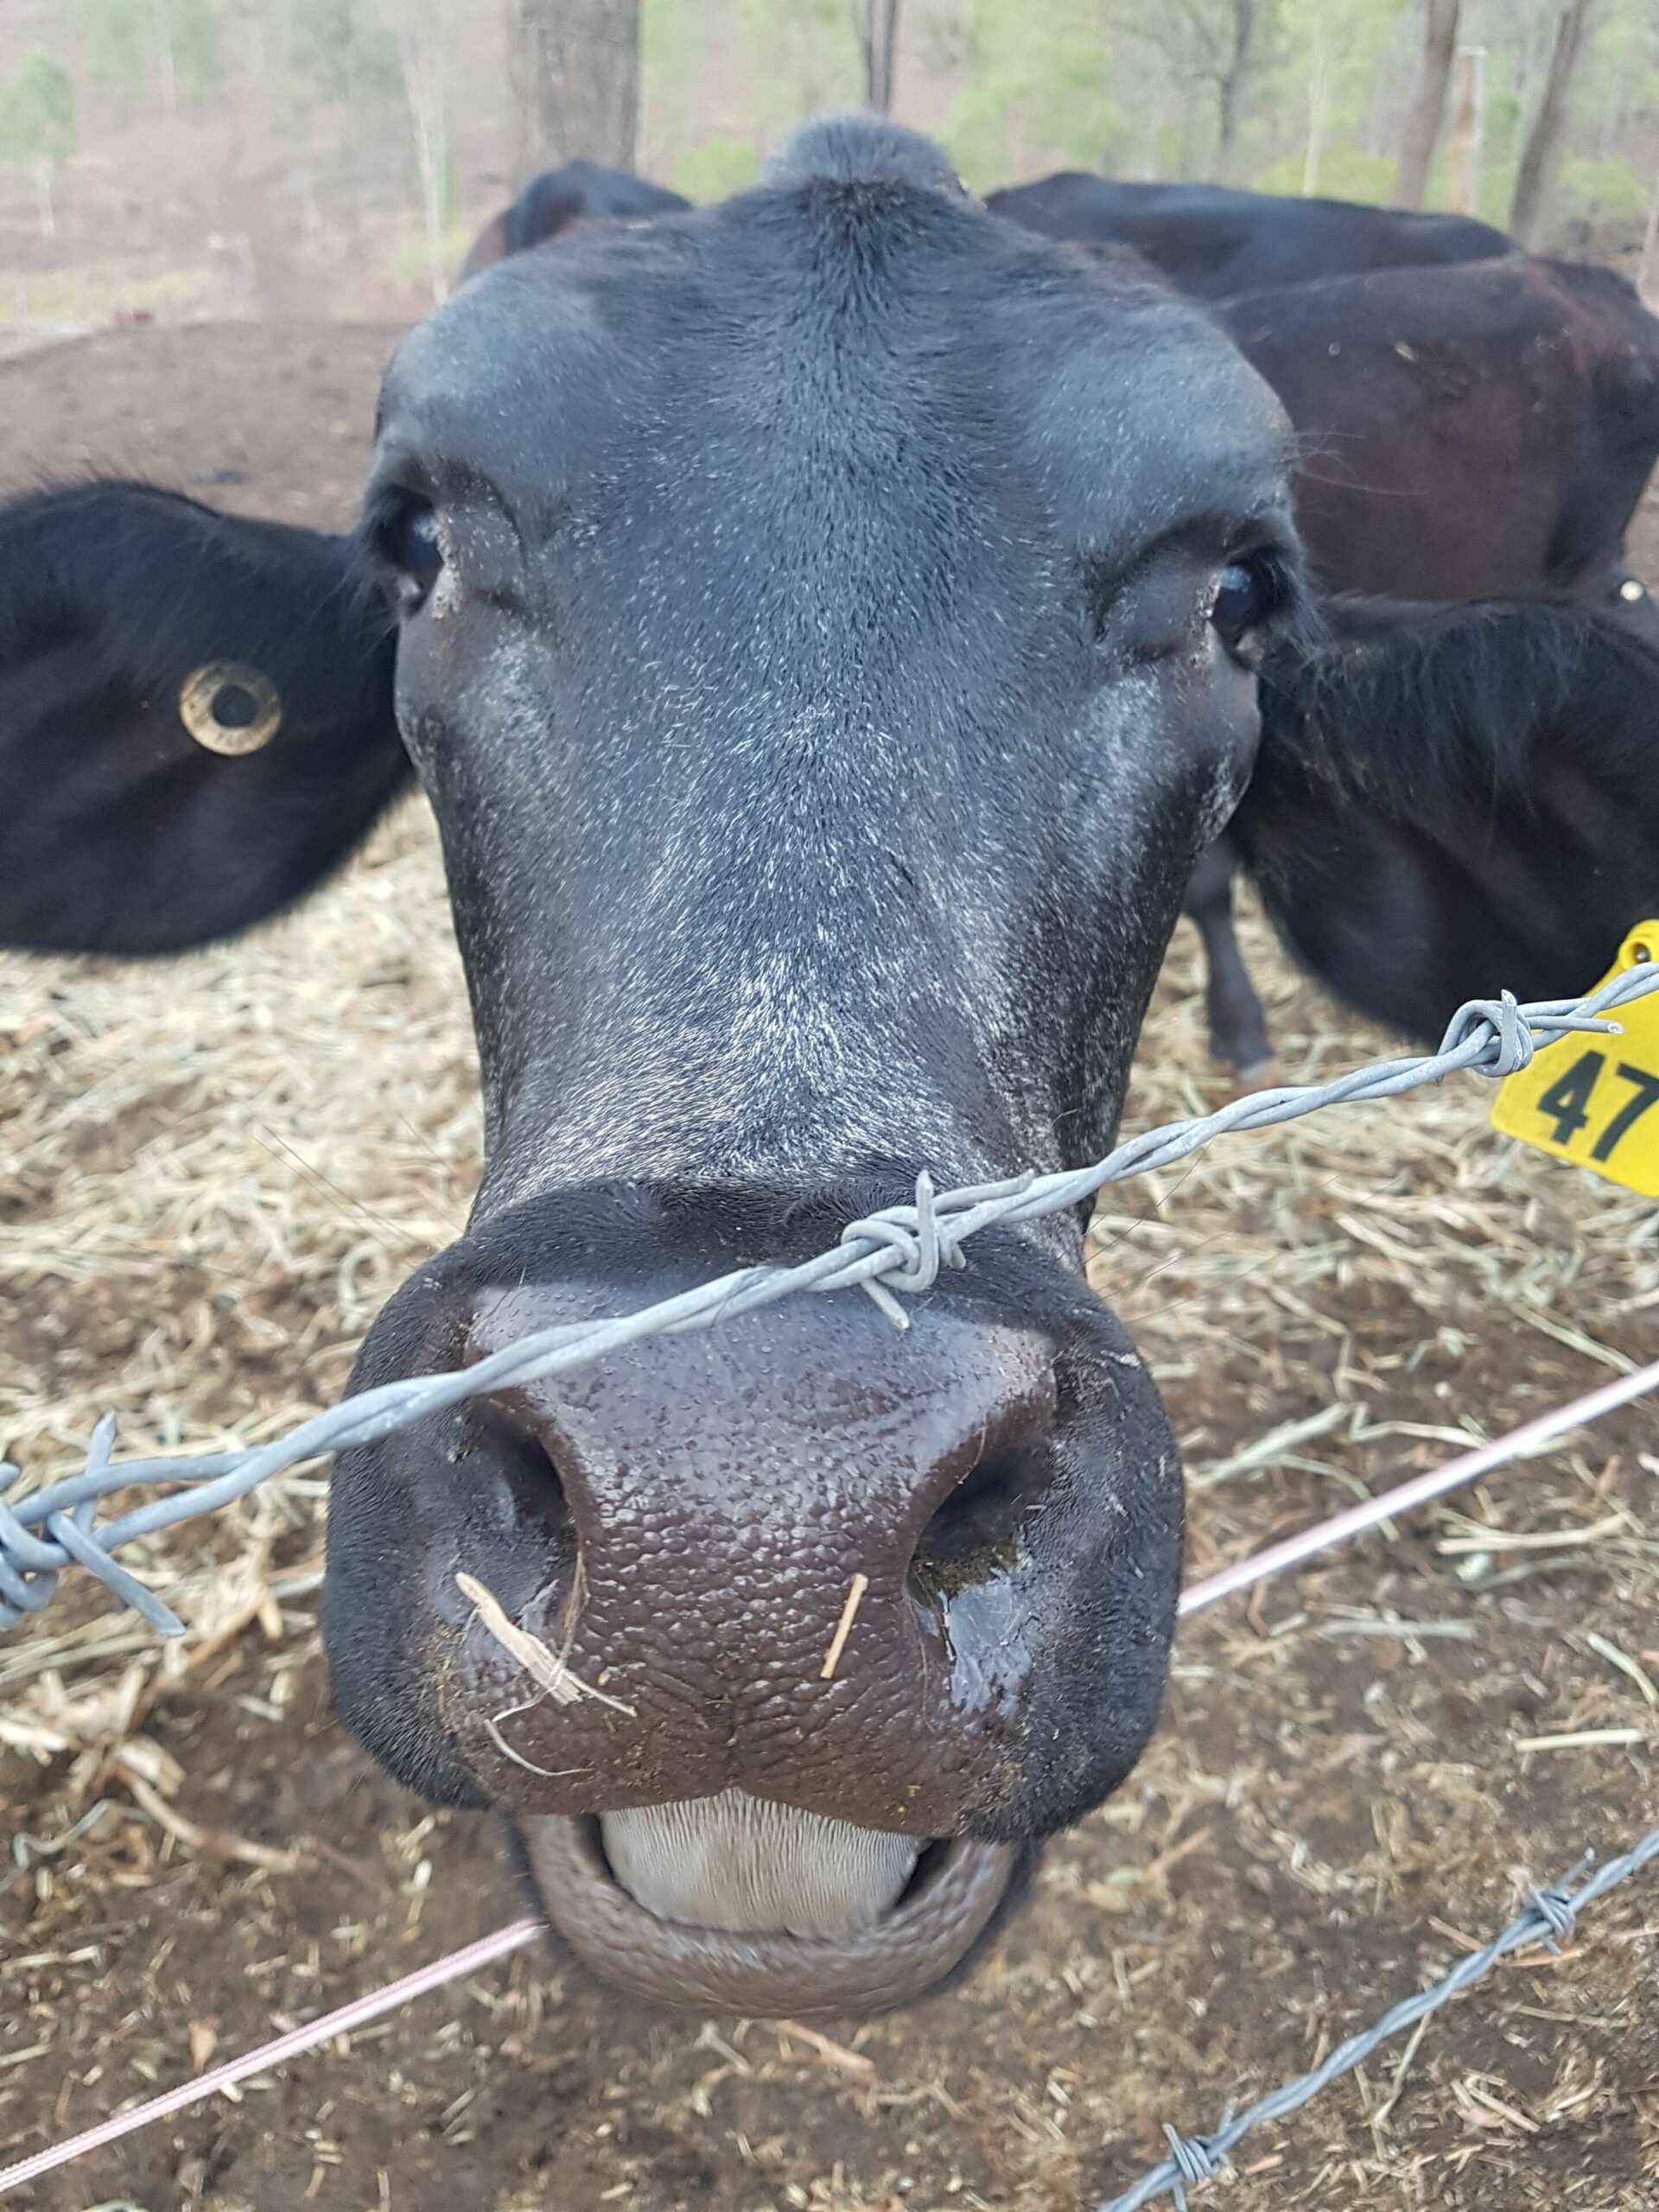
<point>211,1175</point>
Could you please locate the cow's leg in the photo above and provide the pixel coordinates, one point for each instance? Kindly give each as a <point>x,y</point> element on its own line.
<point>1238,1027</point>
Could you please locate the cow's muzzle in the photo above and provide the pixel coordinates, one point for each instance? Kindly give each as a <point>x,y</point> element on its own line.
<point>777,1640</point>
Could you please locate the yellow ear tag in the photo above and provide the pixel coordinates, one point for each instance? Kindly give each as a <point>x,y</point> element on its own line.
<point>1595,1100</point>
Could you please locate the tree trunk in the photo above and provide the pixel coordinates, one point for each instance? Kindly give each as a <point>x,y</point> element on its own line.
<point>1542,161</point>
<point>422,30</point>
<point>1230,87</point>
<point>575,83</point>
<point>875,25</point>
<point>1318,108</point>
<point>1468,103</point>
<point>164,62</point>
<point>43,207</point>
<point>1427,102</point>
<point>1647,274</point>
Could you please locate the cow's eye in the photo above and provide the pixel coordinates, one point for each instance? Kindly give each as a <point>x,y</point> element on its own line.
<point>1247,592</point>
<point>408,541</point>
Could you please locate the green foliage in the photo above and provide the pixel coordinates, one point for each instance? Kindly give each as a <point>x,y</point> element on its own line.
<point>340,49</point>
<point>37,112</point>
<point>1136,89</point>
<point>1037,93</point>
<point>1329,51</point>
<point>114,34</point>
<point>748,70</point>
<point>715,169</point>
<point>1345,173</point>
<point>124,38</point>
<point>191,30</point>
<point>1597,193</point>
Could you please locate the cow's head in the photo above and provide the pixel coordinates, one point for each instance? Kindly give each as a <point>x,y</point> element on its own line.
<point>557,201</point>
<point>828,627</point>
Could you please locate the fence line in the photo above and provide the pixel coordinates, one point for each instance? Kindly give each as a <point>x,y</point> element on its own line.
<point>355,2014</point>
<point>1548,1918</point>
<point>901,1249</point>
<point>1189,2159</point>
<point>1420,1489</point>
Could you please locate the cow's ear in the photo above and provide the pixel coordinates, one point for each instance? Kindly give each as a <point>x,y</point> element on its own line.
<point>1452,801</point>
<point>195,718</point>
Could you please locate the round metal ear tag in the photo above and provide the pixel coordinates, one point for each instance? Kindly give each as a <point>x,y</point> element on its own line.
<point>1630,591</point>
<point>229,709</point>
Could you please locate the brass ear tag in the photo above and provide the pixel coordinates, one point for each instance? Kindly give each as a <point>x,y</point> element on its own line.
<point>229,709</point>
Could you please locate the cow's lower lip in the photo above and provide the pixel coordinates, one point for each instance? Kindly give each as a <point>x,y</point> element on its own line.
<point>951,1900</point>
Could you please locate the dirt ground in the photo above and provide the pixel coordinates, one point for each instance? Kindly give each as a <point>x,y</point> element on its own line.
<point>211,1173</point>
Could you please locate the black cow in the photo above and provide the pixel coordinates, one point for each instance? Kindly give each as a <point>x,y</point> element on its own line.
<point>1476,429</point>
<point>829,627</point>
<point>576,192</point>
<point>1213,243</point>
<point>1467,432</point>
<point>1473,432</point>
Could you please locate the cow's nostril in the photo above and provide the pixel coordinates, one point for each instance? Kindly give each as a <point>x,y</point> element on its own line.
<point>515,1453</point>
<point>975,1531</point>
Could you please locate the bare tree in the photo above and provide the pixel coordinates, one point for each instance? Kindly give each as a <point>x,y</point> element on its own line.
<point>1230,86</point>
<point>1468,122</point>
<point>575,82</point>
<point>1320,75</point>
<point>1422,126</point>
<point>422,29</point>
<point>168,74</point>
<point>1646,273</point>
<point>1201,42</point>
<point>1542,161</point>
<point>875,26</point>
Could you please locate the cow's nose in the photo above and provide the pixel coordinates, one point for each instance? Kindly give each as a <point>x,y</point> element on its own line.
<point>726,1557</point>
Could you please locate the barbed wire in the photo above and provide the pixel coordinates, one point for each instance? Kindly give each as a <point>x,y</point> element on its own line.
<point>901,1249</point>
<point>1547,1918</point>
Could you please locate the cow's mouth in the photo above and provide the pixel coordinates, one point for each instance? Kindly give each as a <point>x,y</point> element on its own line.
<point>729,1903</point>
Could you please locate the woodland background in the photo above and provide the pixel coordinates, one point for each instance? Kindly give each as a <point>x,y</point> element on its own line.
<point>174,159</point>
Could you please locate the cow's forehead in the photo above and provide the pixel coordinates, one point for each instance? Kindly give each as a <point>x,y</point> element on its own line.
<point>1124,407</point>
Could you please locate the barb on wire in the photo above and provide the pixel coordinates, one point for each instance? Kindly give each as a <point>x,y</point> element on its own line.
<point>1547,1918</point>
<point>901,1249</point>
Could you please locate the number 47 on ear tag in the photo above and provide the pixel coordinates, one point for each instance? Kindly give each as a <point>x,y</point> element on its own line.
<point>1595,1100</point>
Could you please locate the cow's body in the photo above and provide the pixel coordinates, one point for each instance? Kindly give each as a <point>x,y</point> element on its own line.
<point>828,628</point>
<point>1465,433</point>
<point>1473,432</point>
<point>576,192</point>
<point>1212,242</point>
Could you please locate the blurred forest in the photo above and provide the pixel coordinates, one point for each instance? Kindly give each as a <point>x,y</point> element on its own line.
<point>178,158</point>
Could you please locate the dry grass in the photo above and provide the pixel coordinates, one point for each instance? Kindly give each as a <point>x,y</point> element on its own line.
<point>213,1172</point>
<point>212,1175</point>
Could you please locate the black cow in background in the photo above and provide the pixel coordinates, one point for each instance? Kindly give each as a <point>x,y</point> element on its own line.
<point>1211,242</point>
<point>1480,431</point>
<point>1474,421</point>
<point>576,192</point>
<point>1467,432</point>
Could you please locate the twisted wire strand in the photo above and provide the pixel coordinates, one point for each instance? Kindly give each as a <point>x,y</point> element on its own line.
<point>900,1248</point>
<point>1550,1917</point>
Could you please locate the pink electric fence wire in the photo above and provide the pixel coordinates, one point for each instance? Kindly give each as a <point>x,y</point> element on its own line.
<point>1260,1568</point>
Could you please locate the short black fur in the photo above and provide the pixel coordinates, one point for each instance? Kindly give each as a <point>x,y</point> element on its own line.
<point>118,831</point>
<point>1452,801</point>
